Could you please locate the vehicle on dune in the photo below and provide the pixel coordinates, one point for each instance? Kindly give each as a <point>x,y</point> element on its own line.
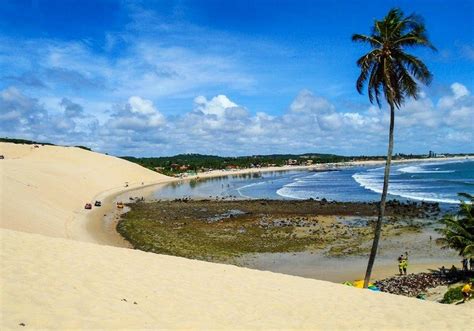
<point>88,206</point>
<point>97,203</point>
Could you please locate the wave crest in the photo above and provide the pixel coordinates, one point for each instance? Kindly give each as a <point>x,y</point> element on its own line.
<point>420,170</point>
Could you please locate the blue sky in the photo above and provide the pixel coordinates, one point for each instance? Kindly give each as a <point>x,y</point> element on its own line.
<point>222,77</point>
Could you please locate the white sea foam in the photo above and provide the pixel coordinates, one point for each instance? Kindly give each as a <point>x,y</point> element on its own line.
<point>405,190</point>
<point>420,189</point>
<point>238,189</point>
<point>421,170</point>
<point>288,192</point>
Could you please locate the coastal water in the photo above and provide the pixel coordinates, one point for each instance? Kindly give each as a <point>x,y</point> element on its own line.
<point>429,181</point>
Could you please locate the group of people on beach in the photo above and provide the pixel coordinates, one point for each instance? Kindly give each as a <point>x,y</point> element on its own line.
<point>403,264</point>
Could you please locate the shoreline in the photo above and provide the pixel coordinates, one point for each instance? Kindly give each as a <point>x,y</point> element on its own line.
<point>319,166</point>
<point>96,223</point>
<point>93,221</point>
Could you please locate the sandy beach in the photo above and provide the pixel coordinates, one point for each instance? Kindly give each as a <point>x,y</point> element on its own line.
<point>63,284</point>
<point>54,275</point>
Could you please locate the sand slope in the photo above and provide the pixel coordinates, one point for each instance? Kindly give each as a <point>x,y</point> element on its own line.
<point>43,190</point>
<point>58,283</point>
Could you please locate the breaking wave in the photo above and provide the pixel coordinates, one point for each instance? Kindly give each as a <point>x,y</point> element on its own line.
<point>421,170</point>
<point>435,182</point>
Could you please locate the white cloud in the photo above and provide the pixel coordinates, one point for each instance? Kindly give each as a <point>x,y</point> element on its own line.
<point>26,117</point>
<point>144,67</point>
<point>141,106</point>
<point>71,109</point>
<point>18,109</point>
<point>220,125</point>
<point>459,90</point>
<point>137,114</point>
<point>218,105</point>
<point>306,102</point>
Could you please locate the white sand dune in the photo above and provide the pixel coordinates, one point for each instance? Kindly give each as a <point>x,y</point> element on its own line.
<point>44,190</point>
<point>64,284</point>
<point>60,283</point>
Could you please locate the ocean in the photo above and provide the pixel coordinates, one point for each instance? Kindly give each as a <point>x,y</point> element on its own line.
<point>424,181</point>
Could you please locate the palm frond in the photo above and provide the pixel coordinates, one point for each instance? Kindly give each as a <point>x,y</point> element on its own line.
<point>374,41</point>
<point>468,251</point>
<point>366,63</point>
<point>458,231</point>
<point>416,67</point>
<point>388,68</point>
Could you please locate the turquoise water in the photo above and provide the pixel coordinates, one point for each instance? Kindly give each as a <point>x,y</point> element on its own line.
<point>429,181</point>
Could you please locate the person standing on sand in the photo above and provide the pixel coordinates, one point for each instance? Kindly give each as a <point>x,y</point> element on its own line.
<point>405,263</point>
<point>400,265</point>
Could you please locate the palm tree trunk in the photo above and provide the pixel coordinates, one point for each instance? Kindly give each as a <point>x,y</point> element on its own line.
<point>378,227</point>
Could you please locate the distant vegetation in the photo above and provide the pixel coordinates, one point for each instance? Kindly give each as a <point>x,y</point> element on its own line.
<point>197,162</point>
<point>32,142</point>
<point>84,147</point>
<point>23,141</point>
<point>172,165</point>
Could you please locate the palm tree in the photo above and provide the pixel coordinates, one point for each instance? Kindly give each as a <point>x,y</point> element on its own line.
<point>459,229</point>
<point>387,68</point>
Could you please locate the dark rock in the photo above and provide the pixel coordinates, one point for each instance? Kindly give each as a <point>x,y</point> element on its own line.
<point>413,284</point>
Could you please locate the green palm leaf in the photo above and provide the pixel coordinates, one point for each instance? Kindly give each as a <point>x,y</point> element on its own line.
<point>387,66</point>
<point>458,229</point>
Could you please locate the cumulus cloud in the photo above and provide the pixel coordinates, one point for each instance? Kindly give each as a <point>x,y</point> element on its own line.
<point>219,114</point>
<point>17,110</point>
<point>459,90</point>
<point>307,102</point>
<point>216,106</point>
<point>220,125</point>
<point>137,114</point>
<point>71,109</point>
<point>26,117</point>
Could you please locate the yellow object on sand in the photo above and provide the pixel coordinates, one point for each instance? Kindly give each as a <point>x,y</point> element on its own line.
<point>360,284</point>
<point>466,288</point>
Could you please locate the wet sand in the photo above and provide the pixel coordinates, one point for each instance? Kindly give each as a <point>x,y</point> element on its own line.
<point>424,255</point>
<point>338,244</point>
